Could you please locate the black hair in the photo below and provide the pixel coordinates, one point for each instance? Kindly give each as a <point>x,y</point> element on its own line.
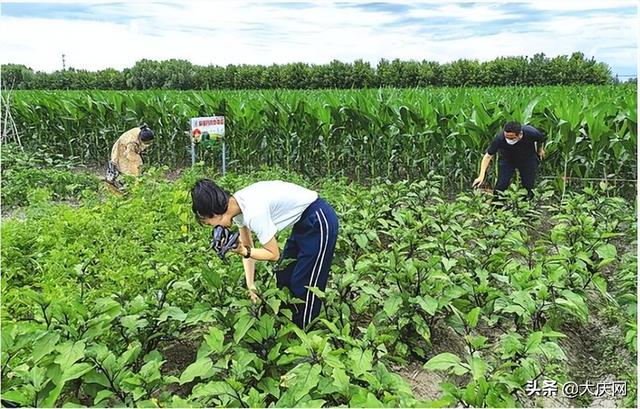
<point>146,134</point>
<point>208,199</point>
<point>513,127</point>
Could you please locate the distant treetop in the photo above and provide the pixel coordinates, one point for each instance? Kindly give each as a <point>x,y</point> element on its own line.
<point>183,75</point>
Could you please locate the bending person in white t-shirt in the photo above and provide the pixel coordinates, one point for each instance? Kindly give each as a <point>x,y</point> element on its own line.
<point>265,208</point>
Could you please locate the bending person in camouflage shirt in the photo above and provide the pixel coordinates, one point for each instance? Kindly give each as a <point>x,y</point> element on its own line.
<point>126,153</point>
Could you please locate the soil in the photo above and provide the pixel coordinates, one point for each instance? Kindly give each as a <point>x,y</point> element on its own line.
<point>92,168</point>
<point>100,170</point>
<point>424,385</point>
<point>596,354</point>
<point>179,356</point>
<point>19,213</point>
<point>173,175</point>
<point>13,213</point>
<point>444,339</point>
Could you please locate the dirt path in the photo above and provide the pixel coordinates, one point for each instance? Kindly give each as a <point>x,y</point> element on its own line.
<point>425,385</point>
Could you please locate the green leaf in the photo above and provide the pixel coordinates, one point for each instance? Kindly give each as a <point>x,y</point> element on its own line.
<point>215,339</point>
<point>172,312</point>
<point>241,327</point>
<point>170,379</point>
<point>472,317</point>
<point>528,111</point>
<point>199,313</point>
<point>274,303</point>
<point>196,369</point>
<point>311,403</point>
<point>478,342</point>
<point>76,371</point>
<point>212,278</point>
<point>574,304</point>
<point>341,380</point>
<point>510,344</point>
<point>17,396</point>
<point>553,351</point>
<point>553,334</point>
<point>600,283</point>
<point>130,355</point>
<point>50,400</point>
<point>44,346</point>
<point>8,339</point>
<point>516,309</point>
<point>69,354</point>
<point>333,359</point>
<point>316,291</point>
<point>478,368</point>
<point>133,322</point>
<point>443,362</point>
<point>607,252</point>
<point>471,396</point>
<point>427,303</point>
<point>102,395</point>
<point>150,371</point>
<point>365,399</point>
<point>37,377</point>
<point>362,360</point>
<point>422,328</point>
<point>255,399</point>
<point>299,382</point>
<point>97,378</point>
<point>274,352</point>
<point>392,305</point>
<point>147,403</point>
<point>533,342</point>
<point>362,241</point>
<point>448,263</point>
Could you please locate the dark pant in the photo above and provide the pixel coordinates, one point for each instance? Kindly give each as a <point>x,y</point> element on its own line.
<point>112,175</point>
<point>310,249</point>
<point>527,169</point>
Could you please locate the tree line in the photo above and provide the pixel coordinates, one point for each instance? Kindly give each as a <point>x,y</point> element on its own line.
<point>182,75</point>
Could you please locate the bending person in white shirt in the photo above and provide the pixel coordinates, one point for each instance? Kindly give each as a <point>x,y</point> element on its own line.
<point>265,208</point>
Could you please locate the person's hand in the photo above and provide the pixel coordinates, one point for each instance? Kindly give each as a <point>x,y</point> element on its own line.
<point>253,294</point>
<point>477,182</point>
<point>241,250</point>
<point>541,154</point>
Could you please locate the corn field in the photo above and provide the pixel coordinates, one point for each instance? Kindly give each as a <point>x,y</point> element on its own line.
<point>390,133</point>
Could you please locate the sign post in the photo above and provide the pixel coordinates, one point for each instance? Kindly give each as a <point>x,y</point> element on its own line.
<point>206,131</point>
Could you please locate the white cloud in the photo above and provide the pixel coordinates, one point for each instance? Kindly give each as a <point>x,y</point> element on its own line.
<point>474,13</point>
<point>581,5</point>
<point>225,32</point>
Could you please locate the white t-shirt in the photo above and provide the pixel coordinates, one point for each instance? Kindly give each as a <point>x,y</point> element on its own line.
<point>271,206</point>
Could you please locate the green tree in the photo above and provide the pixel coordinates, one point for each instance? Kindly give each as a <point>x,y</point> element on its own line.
<point>16,76</point>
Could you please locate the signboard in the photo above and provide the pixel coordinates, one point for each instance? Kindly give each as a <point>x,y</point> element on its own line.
<point>207,129</point>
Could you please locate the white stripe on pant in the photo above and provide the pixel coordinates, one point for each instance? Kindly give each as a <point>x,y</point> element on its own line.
<point>326,244</point>
<point>306,303</point>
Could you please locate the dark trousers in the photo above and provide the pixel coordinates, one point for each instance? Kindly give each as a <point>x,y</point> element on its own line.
<point>310,249</point>
<point>527,169</point>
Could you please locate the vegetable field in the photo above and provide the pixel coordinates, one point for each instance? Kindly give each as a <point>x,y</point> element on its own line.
<point>390,133</point>
<point>115,300</point>
<point>437,297</point>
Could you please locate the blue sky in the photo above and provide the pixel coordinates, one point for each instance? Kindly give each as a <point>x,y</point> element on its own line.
<point>98,34</point>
